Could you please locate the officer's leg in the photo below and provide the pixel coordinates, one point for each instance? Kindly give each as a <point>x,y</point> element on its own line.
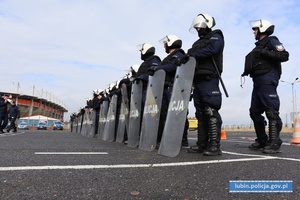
<point>163,114</point>
<point>259,126</point>
<point>185,141</point>
<point>275,126</point>
<point>1,121</point>
<point>13,125</point>
<point>214,132</point>
<point>202,130</point>
<point>202,134</point>
<point>9,126</point>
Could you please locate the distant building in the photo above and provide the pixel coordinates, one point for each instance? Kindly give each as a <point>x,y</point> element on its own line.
<point>36,106</point>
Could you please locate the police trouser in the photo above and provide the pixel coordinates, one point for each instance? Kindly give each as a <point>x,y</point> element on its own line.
<point>12,124</point>
<point>96,122</point>
<point>265,99</point>
<point>3,121</point>
<point>207,101</point>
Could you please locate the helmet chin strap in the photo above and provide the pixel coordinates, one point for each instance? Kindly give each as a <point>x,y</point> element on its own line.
<point>257,37</point>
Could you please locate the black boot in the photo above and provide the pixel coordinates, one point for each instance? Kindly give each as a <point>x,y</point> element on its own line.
<point>274,143</point>
<point>256,145</point>
<point>202,139</point>
<point>262,138</point>
<point>214,133</point>
<point>213,149</point>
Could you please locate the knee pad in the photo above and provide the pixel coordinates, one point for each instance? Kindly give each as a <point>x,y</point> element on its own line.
<point>257,118</point>
<point>209,112</point>
<point>272,115</point>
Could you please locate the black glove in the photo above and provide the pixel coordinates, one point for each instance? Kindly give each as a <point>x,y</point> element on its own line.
<point>184,59</point>
<point>152,70</point>
<point>137,80</point>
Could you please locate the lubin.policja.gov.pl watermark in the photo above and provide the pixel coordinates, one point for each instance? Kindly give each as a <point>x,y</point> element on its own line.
<point>248,186</point>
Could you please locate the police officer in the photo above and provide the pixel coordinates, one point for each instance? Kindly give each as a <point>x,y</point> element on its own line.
<point>149,59</point>
<point>172,45</point>
<point>13,115</point>
<point>96,103</point>
<point>3,112</point>
<point>89,103</point>
<point>208,52</point>
<point>263,64</point>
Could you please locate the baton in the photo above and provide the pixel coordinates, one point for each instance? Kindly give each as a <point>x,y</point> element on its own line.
<point>219,75</point>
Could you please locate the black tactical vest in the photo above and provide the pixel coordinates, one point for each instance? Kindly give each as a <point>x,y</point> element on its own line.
<point>170,75</point>
<point>205,66</point>
<point>143,69</point>
<point>255,64</point>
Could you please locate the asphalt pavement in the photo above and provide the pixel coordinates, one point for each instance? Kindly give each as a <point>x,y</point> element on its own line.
<point>63,165</point>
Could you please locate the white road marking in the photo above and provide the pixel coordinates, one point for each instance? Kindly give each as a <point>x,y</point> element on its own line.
<point>247,141</point>
<point>70,153</point>
<point>56,167</point>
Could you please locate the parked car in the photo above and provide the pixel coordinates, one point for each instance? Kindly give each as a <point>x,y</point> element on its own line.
<point>23,126</point>
<point>42,126</point>
<point>58,125</point>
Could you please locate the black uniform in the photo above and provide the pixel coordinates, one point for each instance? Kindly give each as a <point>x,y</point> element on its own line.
<point>263,64</point>
<point>3,114</point>
<point>206,94</point>
<point>13,115</point>
<point>142,74</point>
<point>97,101</point>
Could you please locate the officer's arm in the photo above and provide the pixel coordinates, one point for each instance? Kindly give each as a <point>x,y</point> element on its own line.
<point>214,45</point>
<point>280,56</point>
<point>171,66</point>
<point>277,51</point>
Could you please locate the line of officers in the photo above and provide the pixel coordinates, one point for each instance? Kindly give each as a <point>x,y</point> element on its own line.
<point>262,64</point>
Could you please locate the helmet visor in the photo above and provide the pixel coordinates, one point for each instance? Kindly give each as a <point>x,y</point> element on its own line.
<point>143,48</point>
<point>164,40</point>
<point>255,23</point>
<point>198,22</point>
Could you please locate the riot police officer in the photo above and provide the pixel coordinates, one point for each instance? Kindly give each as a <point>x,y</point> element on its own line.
<point>263,64</point>
<point>149,59</point>
<point>172,45</point>
<point>96,103</point>
<point>208,52</point>
<point>13,115</point>
<point>3,112</point>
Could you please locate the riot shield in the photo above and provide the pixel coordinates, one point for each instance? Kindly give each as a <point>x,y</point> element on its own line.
<point>81,122</point>
<point>177,111</point>
<point>151,113</point>
<point>124,115</point>
<point>78,124</point>
<point>102,118</point>
<point>74,125</point>
<point>135,114</point>
<point>85,123</point>
<point>92,122</point>
<point>109,129</point>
